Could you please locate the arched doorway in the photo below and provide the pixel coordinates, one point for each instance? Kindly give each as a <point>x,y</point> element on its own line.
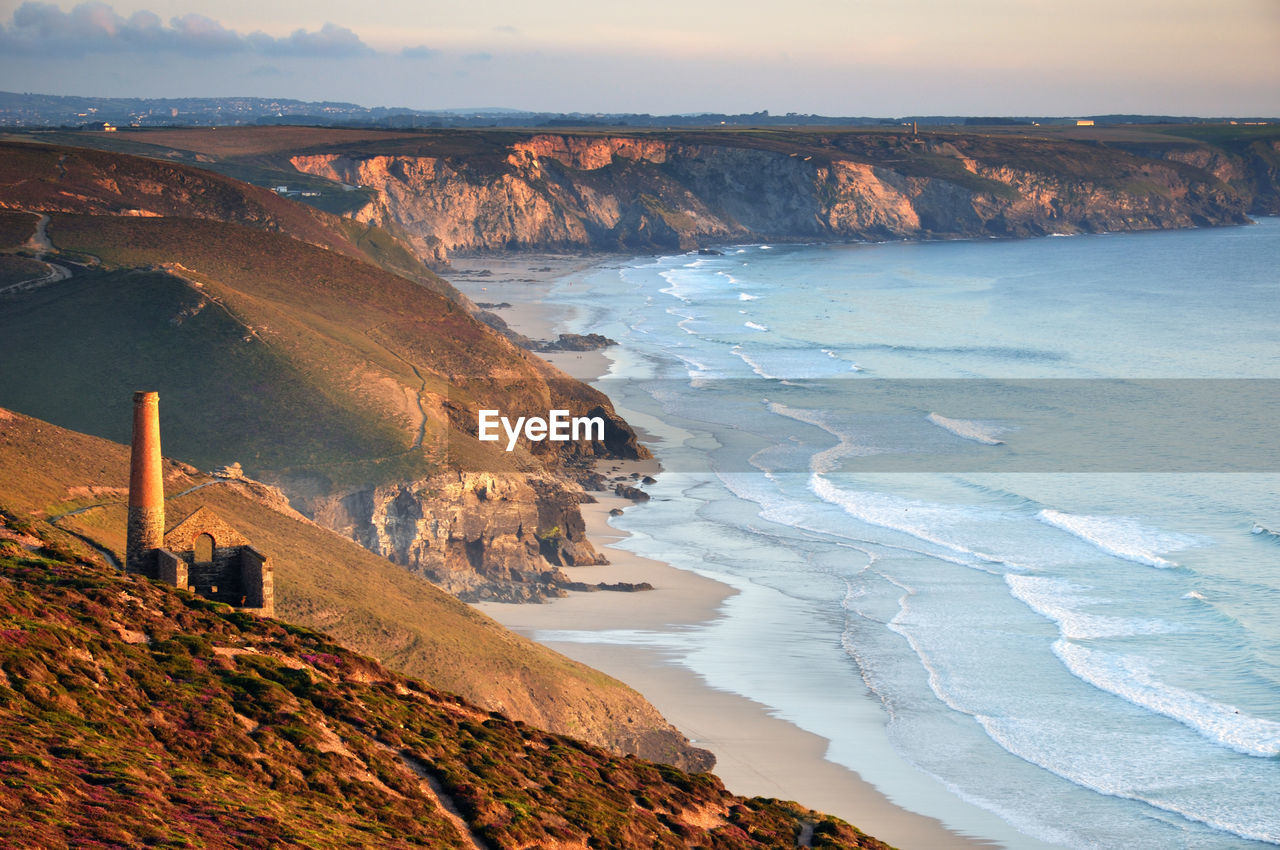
<point>204,549</point>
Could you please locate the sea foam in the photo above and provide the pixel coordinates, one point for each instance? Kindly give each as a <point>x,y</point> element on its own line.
<point>1127,677</point>
<point>921,520</point>
<point>1123,537</point>
<point>1060,601</point>
<point>979,432</point>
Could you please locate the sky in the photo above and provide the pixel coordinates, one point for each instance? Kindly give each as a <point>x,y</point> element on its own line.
<point>882,58</point>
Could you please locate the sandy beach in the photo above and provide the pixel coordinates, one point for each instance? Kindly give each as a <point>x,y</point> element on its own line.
<point>757,753</point>
<point>513,287</point>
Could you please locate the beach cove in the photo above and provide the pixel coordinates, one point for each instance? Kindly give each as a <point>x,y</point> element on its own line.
<point>1023,658</point>
<point>757,752</point>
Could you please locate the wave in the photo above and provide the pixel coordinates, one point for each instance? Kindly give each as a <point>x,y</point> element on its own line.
<point>743,296</point>
<point>756,366</point>
<point>1127,677</point>
<point>1000,351</point>
<point>1263,530</point>
<point>969,429</point>
<point>827,459</point>
<point>1058,600</point>
<point>853,367</point>
<point>1252,817</point>
<point>1122,537</point>
<point>921,520</point>
<point>755,326</point>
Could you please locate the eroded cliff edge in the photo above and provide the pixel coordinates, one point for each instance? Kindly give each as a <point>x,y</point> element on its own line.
<point>477,535</point>
<point>665,192</point>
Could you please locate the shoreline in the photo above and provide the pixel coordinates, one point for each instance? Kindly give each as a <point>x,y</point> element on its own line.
<point>757,754</point>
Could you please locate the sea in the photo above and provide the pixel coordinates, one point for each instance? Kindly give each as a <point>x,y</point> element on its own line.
<point>1003,516</point>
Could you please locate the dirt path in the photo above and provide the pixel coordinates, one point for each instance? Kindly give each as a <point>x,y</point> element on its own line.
<point>431,787</point>
<point>39,244</point>
<point>39,241</point>
<point>419,427</point>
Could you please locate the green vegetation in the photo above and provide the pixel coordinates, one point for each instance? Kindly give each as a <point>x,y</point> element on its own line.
<point>218,382</point>
<point>133,714</point>
<point>1223,134</point>
<point>15,229</point>
<point>20,269</point>
<point>305,356</point>
<point>327,582</point>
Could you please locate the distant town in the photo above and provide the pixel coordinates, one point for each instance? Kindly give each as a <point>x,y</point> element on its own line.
<point>21,110</point>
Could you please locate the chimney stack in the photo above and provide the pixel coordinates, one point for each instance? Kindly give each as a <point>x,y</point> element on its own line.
<point>146,488</point>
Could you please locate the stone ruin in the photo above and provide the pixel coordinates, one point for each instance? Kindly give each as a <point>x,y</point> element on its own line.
<point>202,553</point>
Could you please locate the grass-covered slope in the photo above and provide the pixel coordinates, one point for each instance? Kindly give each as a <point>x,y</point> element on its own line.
<point>94,182</point>
<point>278,341</point>
<point>76,347</point>
<point>132,714</point>
<point>77,485</point>
<point>311,360</point>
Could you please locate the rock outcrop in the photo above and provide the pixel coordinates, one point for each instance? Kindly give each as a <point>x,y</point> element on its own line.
<point>476,535</point>
<point>682,191</point>
<point>578,342</point>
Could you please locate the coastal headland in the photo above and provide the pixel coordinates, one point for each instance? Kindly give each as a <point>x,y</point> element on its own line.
<point>325,354</point>
<point>451,192</point>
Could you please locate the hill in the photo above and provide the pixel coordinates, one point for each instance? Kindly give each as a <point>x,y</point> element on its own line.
<point>681,190</point>
<point>278,343</point>
<point>132,714</point>
<point>450,191</point>
<point>74,487</point>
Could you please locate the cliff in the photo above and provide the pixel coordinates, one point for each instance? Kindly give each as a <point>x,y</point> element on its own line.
<point>661,191</point>
<point>321,369</point>
<point>132,715</point>
<point>477,535</point>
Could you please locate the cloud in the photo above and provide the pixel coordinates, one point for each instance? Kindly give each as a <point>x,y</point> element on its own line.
<point>419,52</point>
<point>94,27</point>
<point>329,40</point>
<point>198,34</point>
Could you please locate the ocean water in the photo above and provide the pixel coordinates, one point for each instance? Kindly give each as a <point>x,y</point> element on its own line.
<point>1030,652</point>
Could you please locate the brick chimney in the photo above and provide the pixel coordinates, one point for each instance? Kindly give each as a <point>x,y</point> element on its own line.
<point>146,488</point>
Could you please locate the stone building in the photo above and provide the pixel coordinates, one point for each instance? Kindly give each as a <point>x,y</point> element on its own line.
<point>207,556</point>
<point>202,553</point>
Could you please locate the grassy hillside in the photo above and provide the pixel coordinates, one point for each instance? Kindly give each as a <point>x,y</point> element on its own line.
<point>77,485</point>
<point>168,336</point>
<point>95,182</point>
<point>282,345</point>
<point>132,714</point>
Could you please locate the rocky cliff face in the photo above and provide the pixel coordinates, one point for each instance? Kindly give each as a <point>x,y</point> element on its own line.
<point>476,535</point>
<point>650,192</point>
